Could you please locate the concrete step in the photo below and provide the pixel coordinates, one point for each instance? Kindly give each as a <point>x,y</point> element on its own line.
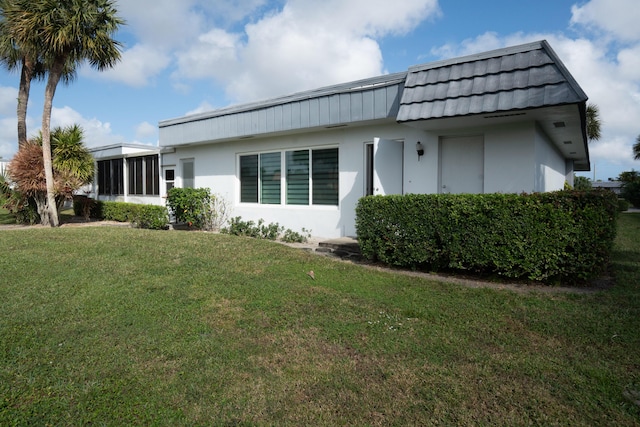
<point>343,247</point>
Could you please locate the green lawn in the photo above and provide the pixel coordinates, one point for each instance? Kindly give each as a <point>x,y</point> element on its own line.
<point>118,326</point>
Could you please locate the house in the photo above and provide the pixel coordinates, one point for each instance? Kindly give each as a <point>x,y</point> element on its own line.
<point>615,186</point>
<point>126,173</point>
<point>510,120</point>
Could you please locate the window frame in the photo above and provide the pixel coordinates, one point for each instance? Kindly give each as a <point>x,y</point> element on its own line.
<point>285,184</point>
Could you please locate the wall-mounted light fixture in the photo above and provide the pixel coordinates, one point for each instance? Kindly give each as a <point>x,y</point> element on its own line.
<point>420,149</point>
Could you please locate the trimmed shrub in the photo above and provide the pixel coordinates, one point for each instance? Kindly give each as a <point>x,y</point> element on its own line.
<point>151,217</point>
<point>563,236</point>
<point>141,216</point>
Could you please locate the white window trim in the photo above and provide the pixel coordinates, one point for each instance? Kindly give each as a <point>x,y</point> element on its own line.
<point>283,203</point>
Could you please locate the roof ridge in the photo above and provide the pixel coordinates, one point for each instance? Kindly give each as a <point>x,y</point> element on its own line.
<point>510,50</point>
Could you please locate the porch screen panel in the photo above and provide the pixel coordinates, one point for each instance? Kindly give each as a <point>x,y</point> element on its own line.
<point>135,175</point>
<point>104,177</point>
<point>270,171</point>
<point>297,177</point>
<point>249,179</point>
<point>117,177</point>
<point>152,176</point>
<point>325,176</point>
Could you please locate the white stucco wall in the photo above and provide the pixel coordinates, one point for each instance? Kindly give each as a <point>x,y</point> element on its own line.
<point>550,164</point>
<point>509,154</point>
<point>216,167</point>
<point>517,158</point>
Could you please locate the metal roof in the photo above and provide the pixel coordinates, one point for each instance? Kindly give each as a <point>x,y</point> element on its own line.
<point>376,98</point>
<point>514,78</point>
<point>527,80</point>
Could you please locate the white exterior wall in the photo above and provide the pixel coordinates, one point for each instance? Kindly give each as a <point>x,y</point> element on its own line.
<point>550,164</point>
<point>509,154</point>
<point>514,157</point>
<point>140,199</point>
<point>216,167</point>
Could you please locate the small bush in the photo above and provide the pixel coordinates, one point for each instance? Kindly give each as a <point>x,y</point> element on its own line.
<point>290,236</point>
<point>23,209</point>
<point>151,217</point>
<point>260,230</point>
<point>623,205</point>
<point>190,205</point>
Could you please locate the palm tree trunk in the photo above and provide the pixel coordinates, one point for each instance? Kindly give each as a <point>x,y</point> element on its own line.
<point>23,99</point>
<point>51,213</point>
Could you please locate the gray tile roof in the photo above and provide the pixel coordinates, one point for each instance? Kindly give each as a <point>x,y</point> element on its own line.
<point>515,78</point>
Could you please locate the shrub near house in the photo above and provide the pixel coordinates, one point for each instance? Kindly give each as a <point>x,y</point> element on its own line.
<point>563,236</point>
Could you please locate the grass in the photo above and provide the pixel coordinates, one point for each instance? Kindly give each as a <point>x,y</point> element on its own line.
<point>113,326</point>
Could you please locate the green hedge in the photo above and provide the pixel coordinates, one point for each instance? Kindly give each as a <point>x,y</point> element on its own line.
<point>140,215</point>
<point>564,236</point>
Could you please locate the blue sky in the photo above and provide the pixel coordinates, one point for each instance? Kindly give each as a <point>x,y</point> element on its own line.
<point>187,56</point>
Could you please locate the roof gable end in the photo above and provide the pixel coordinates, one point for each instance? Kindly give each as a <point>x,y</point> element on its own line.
<point>513,78</point>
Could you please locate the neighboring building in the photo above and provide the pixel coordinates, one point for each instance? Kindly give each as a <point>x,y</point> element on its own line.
<point>126,173</point>
<point>3,166</point>
<point>510,120</point>
<point>615,186</point>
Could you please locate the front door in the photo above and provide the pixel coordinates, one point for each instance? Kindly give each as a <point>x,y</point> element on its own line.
<point>462,165</point>
<point>388,166</point>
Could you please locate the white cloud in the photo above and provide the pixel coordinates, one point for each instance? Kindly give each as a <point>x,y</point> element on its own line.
<point>164,23</point>
<point>214,54</point>
<point>138,66</point>
<point>619,18</point>
<point>629,62</point>
<point>8,137</point>
<point>96,133</point>
<point>8,100</point>
<point>146,130</point>
<point>171,23</point>
<point>615,149</point>
<point>305,45</point>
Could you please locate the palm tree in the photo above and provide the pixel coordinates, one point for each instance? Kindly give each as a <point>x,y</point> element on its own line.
<point>25,57</point>
<point>593,122</point>
<point>636,149</point>
<point>71,159</point>
<point>72,163</point>
<point>65,33</point>
<point>14,56</point>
